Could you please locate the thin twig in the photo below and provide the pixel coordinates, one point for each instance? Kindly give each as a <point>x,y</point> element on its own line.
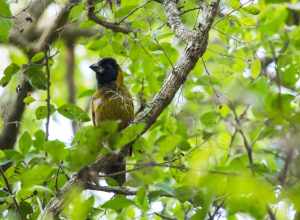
<point>164,52</point>
<point>271,214</point>
<point>233,136</point>
<point>112,26</point>
<point>247,145</point>
<point>10,192</point>
<point>133,11</point>
<point>232,11</point>
<point>145,165</point>
<point>56,178</point>
<point>216,211</point>
<point>162,216</point>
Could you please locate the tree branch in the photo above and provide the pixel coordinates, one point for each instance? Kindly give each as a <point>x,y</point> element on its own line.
<point>24,28</point>
<point>11,127</point>
<point>177,76</point>
<point>51,33</point>
<point>70,71</point>
<point>116,190</point>
<point>175,22</point>
<point>115,27</point>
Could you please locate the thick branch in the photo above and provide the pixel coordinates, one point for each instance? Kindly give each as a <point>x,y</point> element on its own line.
<point>175,22</point>
<point>51,33</point>
<point>12,124</point>
<point>115,27</point>
<point>70,71</point>
<point>177,76</point>
<point>116,190</point>
<point>23,21</point>
<point>24,28</point>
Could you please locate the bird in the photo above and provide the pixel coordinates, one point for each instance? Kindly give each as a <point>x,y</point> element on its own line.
<point>112,101</point>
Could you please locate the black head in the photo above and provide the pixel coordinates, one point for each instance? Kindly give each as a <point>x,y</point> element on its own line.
<point>106,70</point>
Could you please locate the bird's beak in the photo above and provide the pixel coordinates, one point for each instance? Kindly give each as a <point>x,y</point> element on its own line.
<point>94,67</point>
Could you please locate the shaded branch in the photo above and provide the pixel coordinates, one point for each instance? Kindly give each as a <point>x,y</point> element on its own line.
<point>247,145</point>
<point>11,127</point>
<point>23,21</point>
<point>287,161</point>
<point>116,190</point>
<point>70,71</point>
<point>24,28</point>
<point>115,27</point>
<point>51,33</point>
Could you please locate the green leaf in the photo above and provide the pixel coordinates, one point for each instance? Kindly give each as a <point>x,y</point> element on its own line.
<point>209,118</point>
<point>142,199</point>
<point>39,140</point>
<point>36,175</point>
<point>25,142</point>
<point>273,19</point>
<point>88,143</point>
<point>184,193</point>
<point>56,149</point>
<point>85,93</point>
<point>25,208</point>
<point>251,9</point>
<point>11,70</point>
<point>76,206</point>
<point>295,37</point>
<point>13,155</point>
<point>129,134</point>
<point>4,9</point>
<point>42,111</point>
<point>5,21</point>
<point>255,68</point>
<point>73,112</point>
<point>28,100</point>
<point>117,203</point>
<point>38,57</point>
<point>36,76</point>
<point>168,144</point>
<point>124,11</point>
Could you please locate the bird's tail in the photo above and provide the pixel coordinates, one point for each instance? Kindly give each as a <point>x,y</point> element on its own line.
<point>116,168</point>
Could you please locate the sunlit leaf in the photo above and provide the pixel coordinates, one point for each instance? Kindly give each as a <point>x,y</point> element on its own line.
<point>5,21</point>
<point>129,134</point>
<point>8,73</point>
<point>25,142</point>
<point>73,112</point>
<point>255,68</point>
<point>56,149</point>
<point>117,203</point>
<point>42,111</point>
<point>36,175</point>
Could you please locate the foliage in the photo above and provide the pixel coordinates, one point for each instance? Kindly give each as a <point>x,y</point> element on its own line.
<point>228,145</point>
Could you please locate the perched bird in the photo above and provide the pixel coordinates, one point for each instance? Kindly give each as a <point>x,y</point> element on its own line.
<point>112,101</point>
